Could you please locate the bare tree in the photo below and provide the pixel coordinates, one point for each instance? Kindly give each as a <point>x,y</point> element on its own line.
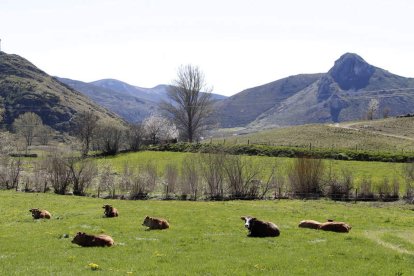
<point>82,172</point>
<point>241,175</point>
<point>59,174</point>
<point>10,169</point>
<point>134,135</point>
<point>190,102</point>
<point>305,177</point>
<point>170,180</point>
<point>84,128</point>
<point>190,178</point>
<point>109,137</point>
<point>212,171</point>
<point>27,126</point>
<point>107,181</point>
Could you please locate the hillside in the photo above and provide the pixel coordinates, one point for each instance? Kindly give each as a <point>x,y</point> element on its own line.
<point>132,103</point>
<point>392,134</point>
<point>25,88</point>
<point>342,94</point>
<point>127,105</point>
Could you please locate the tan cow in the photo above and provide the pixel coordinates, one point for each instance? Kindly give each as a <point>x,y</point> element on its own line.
<point>335,226</point>
<point>110,211</point>
<point>155,223</point>
<point>40,214</point>
<point>86,240</point>
<point>312,224</point>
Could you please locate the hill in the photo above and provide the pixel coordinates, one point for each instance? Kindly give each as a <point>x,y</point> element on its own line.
<point>386,134</point>
<point>25,88</point>
<point>133,103</point>
<point>342,94</point>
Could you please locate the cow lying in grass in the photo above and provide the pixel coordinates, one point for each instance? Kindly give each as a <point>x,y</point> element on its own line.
<point>86,240</point>
<point>258,228</point>
<point>155,223</point>
<point>312,224</point>
<point>40,214</point>
<point>110,211</point>
<point>335,226</point>
<point>330,225</point>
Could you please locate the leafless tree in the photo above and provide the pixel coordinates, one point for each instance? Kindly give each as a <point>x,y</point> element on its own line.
<point>10,169</point>
<point>189,102</point>
<point>212,171</point>
<point>107,181</point>
<point>85,124</point>
<point>82,173</point>
<point>109,137</point>
<point>134,135</point>
<point>408,174</point>
<point>241,175</point>
<point>170,180</point>
<point>190,178</point>
<point>305,177</point>
<point>58,172</point>
<point>27,126</point>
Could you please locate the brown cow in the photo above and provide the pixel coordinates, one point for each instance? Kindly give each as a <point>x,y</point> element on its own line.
<point>40,214</point>
<point>86,240</point>
<point>110,211</point>
<point>258,228</point>
<point>155,223</point>
<point>312,224</point>
<point>335,226</point>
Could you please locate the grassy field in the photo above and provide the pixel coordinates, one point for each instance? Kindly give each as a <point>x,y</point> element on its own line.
<point>205,238</point>
<point>377,171</point>
<point>365,135</point>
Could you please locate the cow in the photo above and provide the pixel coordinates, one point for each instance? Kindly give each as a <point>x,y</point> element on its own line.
<point>40,214</point>
<point>86,240</point>
<point>110,211</point>
<point>155,223</point>
<point>312,224</point>
<point>258,228</point>
<point>335,226</point>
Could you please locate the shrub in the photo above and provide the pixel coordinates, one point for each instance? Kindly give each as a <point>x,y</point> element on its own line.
<point>305,177</point>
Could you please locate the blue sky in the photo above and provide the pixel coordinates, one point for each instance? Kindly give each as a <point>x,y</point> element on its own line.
<point>237,43</point>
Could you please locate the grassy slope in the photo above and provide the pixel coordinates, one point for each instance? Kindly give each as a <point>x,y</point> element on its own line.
<point>368,137</point>
<point>204,238</point>
<point>376,170</point>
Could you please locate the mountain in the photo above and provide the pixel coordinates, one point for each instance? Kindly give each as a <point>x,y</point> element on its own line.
<point>25,88</point>
<point>344,93</point>
<point>133,103</point>
<point>130,107</point>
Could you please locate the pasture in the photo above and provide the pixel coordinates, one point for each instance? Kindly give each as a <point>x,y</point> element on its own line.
<point>377,171</point>
<point>205,238</point>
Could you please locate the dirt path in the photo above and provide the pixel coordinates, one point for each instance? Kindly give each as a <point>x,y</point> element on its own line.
<point>349,126</point>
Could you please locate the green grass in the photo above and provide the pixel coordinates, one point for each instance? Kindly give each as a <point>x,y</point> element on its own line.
<point>205,238</point>
<point>377,171</point>
<point>367,135</point>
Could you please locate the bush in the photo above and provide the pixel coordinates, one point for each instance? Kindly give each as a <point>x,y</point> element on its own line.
<point>305,177</point>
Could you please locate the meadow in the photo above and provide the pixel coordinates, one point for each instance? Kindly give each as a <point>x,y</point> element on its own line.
<point>376,171</point>
<point>205,238</point>
<point>391,134</point>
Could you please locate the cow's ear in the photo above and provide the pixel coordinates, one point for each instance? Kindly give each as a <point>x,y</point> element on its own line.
<point>253,219</point>
<point>147,217</point>
<point>243,218</point>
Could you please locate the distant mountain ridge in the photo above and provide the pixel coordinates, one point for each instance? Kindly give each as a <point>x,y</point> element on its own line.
<point>341,94</point>
<point>25,88</point>
<point>133,103</point>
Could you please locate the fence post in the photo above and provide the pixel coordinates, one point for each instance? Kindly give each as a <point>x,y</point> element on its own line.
<point>356,195</point>
<point>280,190</point>
<point>310,146</point>
<point>248,142</point>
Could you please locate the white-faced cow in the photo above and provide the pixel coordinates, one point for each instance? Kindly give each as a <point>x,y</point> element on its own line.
<point>258,228</point>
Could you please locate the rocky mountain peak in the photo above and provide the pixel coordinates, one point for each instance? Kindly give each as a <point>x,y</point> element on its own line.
<point>351,72</point>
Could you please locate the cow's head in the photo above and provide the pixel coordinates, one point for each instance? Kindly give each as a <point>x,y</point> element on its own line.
<point>248,221</point>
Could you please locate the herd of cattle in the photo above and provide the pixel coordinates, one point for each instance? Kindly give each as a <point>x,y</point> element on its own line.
<point>256,228</point>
